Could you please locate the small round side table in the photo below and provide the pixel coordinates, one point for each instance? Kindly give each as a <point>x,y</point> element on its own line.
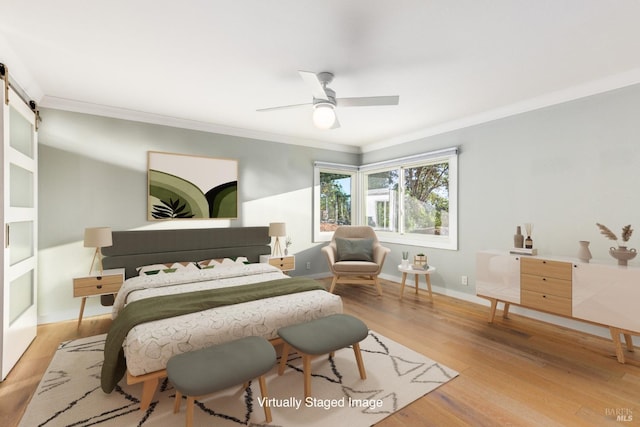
<point>409,270</point>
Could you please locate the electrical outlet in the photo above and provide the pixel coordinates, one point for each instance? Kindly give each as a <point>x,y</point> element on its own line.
<point>464,280</point>
<point>308,265</point>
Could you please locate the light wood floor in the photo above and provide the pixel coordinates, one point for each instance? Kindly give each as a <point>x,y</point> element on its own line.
<point>518,371</point>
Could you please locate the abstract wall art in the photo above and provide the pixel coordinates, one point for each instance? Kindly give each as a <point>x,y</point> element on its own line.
<point>191,187</point>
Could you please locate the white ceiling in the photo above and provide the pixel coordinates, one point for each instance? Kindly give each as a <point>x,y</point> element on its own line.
<point>209,64</point>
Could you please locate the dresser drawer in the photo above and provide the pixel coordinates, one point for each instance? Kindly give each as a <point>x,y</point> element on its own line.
<point>283,263</point>
<point>87,286</point>
<point>546,285</point>
<point>546,302</point>
<point>546,268</point>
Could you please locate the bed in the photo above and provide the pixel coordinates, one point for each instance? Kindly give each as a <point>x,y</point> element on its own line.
<point>236,296</point>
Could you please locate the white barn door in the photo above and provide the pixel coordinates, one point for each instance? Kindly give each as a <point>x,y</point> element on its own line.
<point>20,228</point>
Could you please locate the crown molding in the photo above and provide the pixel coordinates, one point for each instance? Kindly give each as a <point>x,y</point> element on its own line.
<point>64,104</point>
<point>595,87</point>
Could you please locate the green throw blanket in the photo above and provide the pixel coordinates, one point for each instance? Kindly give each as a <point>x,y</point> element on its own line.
<point>162,307</point>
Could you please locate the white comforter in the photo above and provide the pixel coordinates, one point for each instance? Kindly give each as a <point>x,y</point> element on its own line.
<point>149,346</point>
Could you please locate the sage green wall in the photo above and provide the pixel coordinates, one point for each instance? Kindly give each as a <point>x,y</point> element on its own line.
<point>562,168</point>
<point>92,172</point>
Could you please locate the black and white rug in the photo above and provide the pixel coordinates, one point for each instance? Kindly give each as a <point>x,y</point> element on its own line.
<point>70,394</point>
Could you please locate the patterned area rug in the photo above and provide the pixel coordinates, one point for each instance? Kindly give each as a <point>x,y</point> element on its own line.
<point>70,394</point>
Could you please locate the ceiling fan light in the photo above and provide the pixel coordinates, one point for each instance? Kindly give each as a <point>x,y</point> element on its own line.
<point>324,115</point>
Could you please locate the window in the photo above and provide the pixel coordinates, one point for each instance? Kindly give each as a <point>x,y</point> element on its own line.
<point>334,186</point>
<point>411,200</point>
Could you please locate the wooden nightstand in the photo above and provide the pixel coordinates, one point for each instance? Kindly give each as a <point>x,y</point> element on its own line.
<point>108,283</point>
<point>284,263</point>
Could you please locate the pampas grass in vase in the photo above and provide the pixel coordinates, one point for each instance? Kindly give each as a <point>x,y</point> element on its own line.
<point>621,253</point>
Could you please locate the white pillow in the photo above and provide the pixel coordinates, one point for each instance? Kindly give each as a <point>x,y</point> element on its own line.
<point>169,267</point>
<point>222,262</point>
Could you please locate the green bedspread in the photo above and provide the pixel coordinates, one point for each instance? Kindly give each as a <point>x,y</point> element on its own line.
<point>162,307</point>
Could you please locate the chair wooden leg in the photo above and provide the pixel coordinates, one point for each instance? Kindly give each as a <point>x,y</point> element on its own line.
<point>356,350</point>
<point>263,391</point>
<point>333,284</point>
<point>177,402</point>
<point>377,283</point>
<point>283,358</point>
<point>190,405</point>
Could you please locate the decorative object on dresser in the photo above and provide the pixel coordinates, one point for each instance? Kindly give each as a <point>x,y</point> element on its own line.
<point>107,283</point>
<point>285,263</point>
<point>621,253</point>
<point>277,230</point>
<point>518,238</point>
<point>602,294</point>
<point>355,256</point>
<point>97,237</point>
<point>584,254</point>
<point>287,243</point>
<point>528,242</point>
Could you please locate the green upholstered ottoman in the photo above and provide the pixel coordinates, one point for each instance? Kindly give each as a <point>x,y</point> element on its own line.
<point>322,336</point>
<point>216,368</point>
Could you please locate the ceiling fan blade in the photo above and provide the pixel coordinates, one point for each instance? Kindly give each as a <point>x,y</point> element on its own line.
<point>311,79</point>
<point>368,101</point>
<point>282,107</point>
<point>336,124</point>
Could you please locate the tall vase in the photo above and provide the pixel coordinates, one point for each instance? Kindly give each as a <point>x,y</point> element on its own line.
<point>518,238</point>
<point>584,254</point>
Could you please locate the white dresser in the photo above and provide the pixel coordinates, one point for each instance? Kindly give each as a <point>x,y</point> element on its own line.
<point>604,294</point>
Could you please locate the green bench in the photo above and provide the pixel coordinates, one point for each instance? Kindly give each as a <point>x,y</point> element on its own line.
<point>201,372</point>
<point>322,336</point>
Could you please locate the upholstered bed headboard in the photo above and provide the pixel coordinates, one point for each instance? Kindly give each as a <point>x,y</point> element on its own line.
<point>132,249</point>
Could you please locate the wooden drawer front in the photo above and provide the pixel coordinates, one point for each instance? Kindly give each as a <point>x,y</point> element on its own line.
<point>546,268</point>
<point>284,263</point>
<point>546,285</point>
<point>546,302</point>
<point>86,286</point>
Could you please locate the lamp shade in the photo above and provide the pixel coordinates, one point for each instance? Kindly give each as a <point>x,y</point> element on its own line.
<point>277,229</point>
<point>324,115</point>
<point>97,237</point>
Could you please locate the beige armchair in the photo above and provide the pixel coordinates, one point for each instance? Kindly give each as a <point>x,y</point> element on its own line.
<point>355,256</point>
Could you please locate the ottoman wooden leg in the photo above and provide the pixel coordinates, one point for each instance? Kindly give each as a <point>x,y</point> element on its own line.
<point>306,368</point>
<point>263,391</point>
<point>177,402</point>
<point>356,350</point>
<point>190,405</point>
<point>283,358</point>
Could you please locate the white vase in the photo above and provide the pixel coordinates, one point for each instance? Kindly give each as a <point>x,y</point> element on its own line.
<point>584,254</point>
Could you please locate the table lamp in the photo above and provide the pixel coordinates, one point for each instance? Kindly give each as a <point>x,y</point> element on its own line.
<point>277,229</point>
<point>97,237</point>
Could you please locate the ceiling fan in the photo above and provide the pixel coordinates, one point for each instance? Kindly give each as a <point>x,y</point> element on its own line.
<point>325,101</point>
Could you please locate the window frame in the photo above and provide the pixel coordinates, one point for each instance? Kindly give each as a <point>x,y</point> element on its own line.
<point>359,194</point>
<point>323,167</point>
<point>449,241</point>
